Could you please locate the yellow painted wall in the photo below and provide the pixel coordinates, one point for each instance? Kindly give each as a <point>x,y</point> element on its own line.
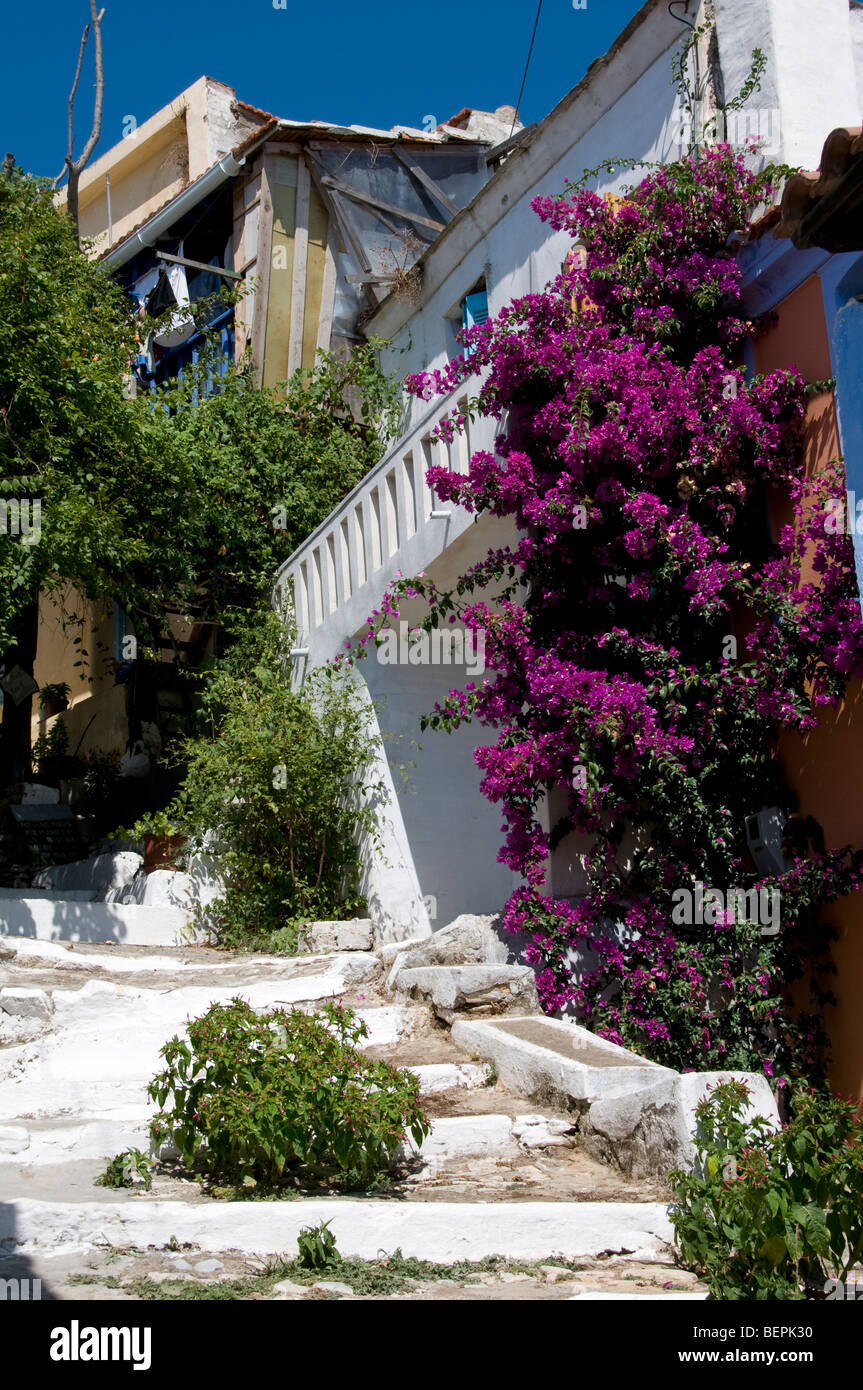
<point>153,172</point>
<point>278,325</point>
<point>63,616</point>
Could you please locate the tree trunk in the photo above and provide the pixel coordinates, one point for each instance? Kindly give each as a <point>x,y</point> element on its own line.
<point>15,762</point>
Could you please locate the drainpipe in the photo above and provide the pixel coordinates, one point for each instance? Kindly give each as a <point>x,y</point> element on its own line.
<point>110,219</point>
<point>147,236</point>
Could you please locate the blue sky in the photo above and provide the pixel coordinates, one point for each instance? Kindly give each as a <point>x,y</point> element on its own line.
<point>377,64</point>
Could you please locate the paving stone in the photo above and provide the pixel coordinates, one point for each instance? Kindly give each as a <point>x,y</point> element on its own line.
<point>14,1139</point>
<point>477,990</point>
<point>26,1003</point>
<point>287,1289</point>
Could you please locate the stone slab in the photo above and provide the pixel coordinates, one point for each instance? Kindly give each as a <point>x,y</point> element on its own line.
<point>486,989</point>
<point>442,1231</point>
<point>319,937</point>
<point>570,1063</point>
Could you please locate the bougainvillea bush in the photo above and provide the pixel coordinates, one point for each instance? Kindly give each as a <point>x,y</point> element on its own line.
<point>652,639</point>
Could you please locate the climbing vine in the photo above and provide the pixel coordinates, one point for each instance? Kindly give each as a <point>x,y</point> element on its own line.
<point>645,639</point>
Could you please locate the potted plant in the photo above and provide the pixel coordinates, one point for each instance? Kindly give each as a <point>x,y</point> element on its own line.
<point>54,699</point>
<point>162,838</point>
<point>51,755</point>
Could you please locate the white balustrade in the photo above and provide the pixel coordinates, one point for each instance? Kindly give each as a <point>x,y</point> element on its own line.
<point>391,522</point>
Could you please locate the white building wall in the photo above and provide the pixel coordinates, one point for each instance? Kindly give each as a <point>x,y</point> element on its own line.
<point>442,837</point>
<point>811,85</point>
<point>810,78</point>
<point>627,110</point>
<point>856,21</point>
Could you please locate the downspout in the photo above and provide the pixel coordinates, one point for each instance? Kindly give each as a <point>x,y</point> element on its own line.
<point>147,236</point>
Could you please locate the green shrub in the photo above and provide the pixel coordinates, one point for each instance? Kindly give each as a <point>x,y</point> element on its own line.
<point>772,1214</point>
<point>267,1097</point>
<point>281,779</point>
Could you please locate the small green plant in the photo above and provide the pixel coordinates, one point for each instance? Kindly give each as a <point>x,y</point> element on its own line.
<point>771,1214</point>
<point>131,1168</point>
<point>53,694</point>
<point>268,1097</point>
<point>317,1247</point>
<point>159,825</point>
<point>53,745</point>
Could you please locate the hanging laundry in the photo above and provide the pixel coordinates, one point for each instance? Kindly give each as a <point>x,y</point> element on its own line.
<point>171,292</point>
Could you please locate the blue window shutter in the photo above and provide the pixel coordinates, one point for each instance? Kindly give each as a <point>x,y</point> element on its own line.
<point>474,309</point>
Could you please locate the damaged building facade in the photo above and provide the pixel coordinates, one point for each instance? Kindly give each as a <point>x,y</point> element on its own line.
<point>315,223</point>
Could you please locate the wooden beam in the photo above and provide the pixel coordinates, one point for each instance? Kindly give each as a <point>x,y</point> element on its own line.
<point>330,204</point>
<point>239,258</point>
<point>427,181</point>
<point>199,265</point>
<point>328,292</point>
<point>370,279</point>
<point>342,217</point>
<point>298,281</point>
<point>358,197</point>
<point>265,257</point>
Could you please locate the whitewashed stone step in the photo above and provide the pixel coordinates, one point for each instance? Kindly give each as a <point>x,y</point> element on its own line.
<point>356,935</point>
<point>438,1077</point>
<point>69,895</point>
<point>21,1002</point>
<point>441,1231</point>
<point>545,1056</point>
<point>467,1136</point>
<point>97,874</point>
<point>636,1115</point>
<point>455,989</point>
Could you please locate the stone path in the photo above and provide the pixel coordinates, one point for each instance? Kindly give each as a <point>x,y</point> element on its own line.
<point>502,1174</point>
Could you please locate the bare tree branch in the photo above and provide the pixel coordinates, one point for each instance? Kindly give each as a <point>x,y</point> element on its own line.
<point>70,148</point>
<point>100,90</point>
<point>76,166</point>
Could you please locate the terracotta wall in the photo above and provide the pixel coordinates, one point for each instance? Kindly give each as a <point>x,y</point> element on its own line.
<point>825,768</point>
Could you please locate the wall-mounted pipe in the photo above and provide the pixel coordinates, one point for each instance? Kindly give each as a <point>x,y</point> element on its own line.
<point>147,236</point>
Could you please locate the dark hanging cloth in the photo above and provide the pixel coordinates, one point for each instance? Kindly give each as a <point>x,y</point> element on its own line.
<point>161,297</point>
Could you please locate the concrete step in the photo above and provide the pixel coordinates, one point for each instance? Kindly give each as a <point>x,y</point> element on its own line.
<point>442,1231</point>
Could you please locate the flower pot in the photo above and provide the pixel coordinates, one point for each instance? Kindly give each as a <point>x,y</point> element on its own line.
<point>56,706</point>
<point>159,849</point>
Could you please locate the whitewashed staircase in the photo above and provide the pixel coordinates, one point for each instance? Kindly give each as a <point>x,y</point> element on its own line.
<point>81,1025</point>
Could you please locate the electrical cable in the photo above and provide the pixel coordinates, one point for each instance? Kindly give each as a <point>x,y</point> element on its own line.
<point>679,17</point>
<point>526,66</point>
